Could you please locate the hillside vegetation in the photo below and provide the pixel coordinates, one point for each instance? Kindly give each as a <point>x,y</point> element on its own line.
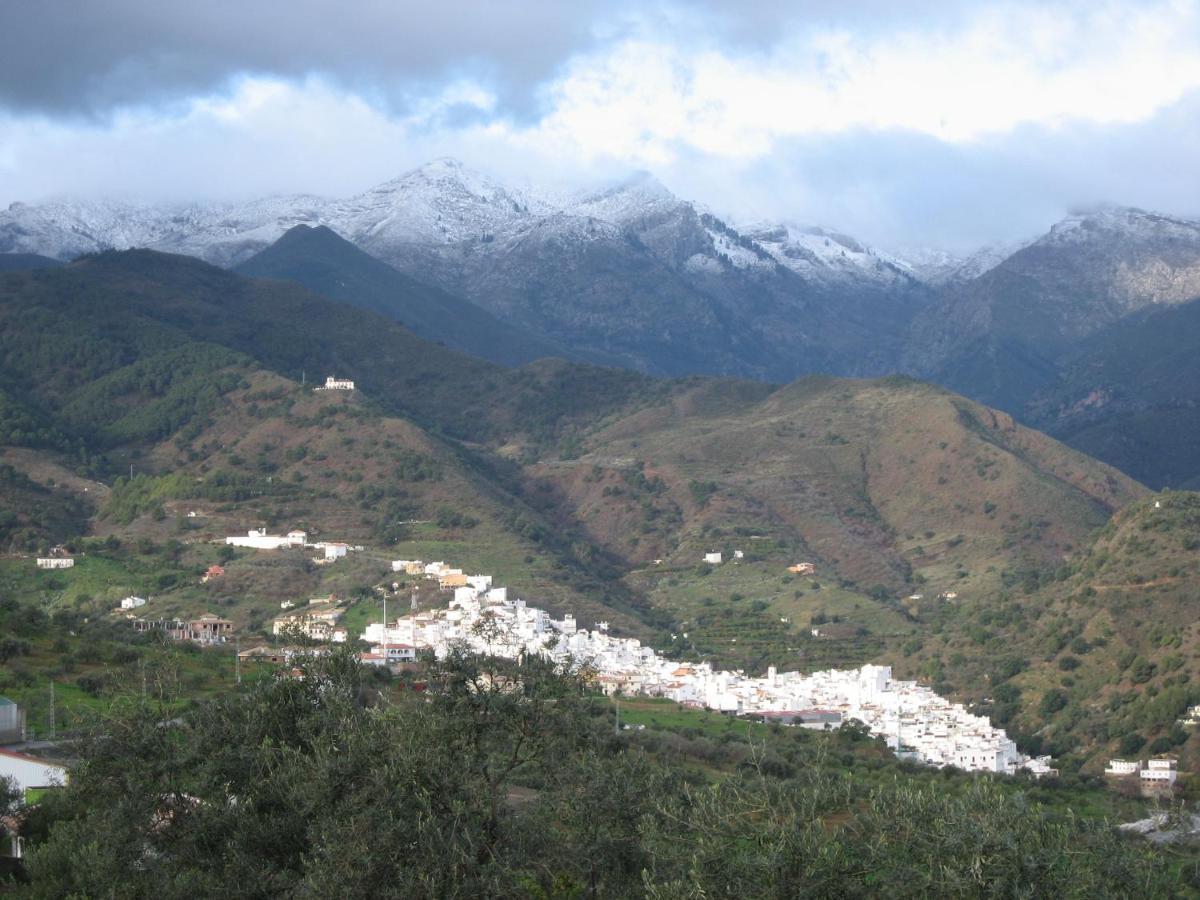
<point>944,537</point>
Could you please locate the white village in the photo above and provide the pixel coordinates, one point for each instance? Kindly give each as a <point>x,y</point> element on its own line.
<point>915,722</point>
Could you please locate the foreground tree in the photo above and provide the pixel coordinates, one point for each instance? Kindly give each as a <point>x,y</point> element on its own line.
<point>505,780</point>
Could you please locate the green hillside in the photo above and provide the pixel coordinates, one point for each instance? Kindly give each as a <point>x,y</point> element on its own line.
<point>1097,660</point>
<point>65,328</point>
<point>945,538</point>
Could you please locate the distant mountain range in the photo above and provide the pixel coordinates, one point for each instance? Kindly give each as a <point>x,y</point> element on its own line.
<point>630,274</point>
<point>635,277</point>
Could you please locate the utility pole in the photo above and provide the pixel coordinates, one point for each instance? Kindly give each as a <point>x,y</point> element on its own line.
<point>237,657</point>
<point>53,730</point>
<point>617,721</point>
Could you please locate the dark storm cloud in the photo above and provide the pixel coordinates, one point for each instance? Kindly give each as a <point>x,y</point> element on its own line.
<point>63,57</point>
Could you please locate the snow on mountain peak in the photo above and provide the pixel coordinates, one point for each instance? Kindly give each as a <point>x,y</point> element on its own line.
<point>1122,222</point>
<point>628,199</point>
<point>820,253</point>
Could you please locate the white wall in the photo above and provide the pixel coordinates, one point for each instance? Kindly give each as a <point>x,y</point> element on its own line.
<point>30,773</point>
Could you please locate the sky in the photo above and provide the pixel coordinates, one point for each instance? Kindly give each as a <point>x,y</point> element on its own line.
<point>951,124</point>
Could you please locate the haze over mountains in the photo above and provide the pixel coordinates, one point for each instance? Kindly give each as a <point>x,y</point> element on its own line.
<point>634,276</point>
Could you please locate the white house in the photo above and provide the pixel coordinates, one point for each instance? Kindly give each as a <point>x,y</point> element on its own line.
<point>258,539</point>
<point>1160,770</point>
<point>713,559</point>
<point>1120,768</point>
<point>335,549</point>
<point>133,602</point>
<point>55,562</point>
<point>739,554</point>
<point>29,772</point>
<point>338,384</point>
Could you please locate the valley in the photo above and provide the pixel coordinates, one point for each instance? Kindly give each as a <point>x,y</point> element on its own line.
<point>940,535</point>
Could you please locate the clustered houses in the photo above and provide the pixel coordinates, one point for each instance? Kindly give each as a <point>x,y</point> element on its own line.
<point>913,720</point>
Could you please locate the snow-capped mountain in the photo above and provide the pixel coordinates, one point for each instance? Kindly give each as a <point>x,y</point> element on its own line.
<point>441,204</point>
<point>1000,336</point>
<point>815,252</point>
<point>940,268</point>
<point>628,272</point>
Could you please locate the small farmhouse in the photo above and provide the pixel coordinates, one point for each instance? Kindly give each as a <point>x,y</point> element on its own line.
<point>55,562</point>
<point>133,602</point>
<point>258,539</point>
<point>713,559</point>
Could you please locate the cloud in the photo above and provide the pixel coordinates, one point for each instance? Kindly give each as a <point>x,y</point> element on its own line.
<point>903,123</point>
<point>121,53</point>
<point>1003,69</point>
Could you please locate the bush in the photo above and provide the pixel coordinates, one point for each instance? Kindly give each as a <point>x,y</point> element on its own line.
<point>1131,744</point>
<point>1053,701</point>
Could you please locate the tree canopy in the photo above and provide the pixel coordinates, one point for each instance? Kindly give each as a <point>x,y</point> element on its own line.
<point>493,779</point>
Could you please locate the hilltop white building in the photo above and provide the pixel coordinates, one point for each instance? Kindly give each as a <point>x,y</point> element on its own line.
<point>133,602</point>
<point>55,562</point>
<point>258,539</point>
<point>337,384</point>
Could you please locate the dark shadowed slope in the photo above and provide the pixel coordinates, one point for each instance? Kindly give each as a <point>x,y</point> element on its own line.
<point>323,262</point>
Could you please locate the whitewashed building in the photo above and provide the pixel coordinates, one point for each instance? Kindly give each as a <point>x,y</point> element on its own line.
<point>1162,771</point>
<point>337,384</point>
<point>258,539</point>
<point>713,559</point>
<point>31,773</point>
<point>55,562</point>
<point>133,602</point>
<point>1122,768</point>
